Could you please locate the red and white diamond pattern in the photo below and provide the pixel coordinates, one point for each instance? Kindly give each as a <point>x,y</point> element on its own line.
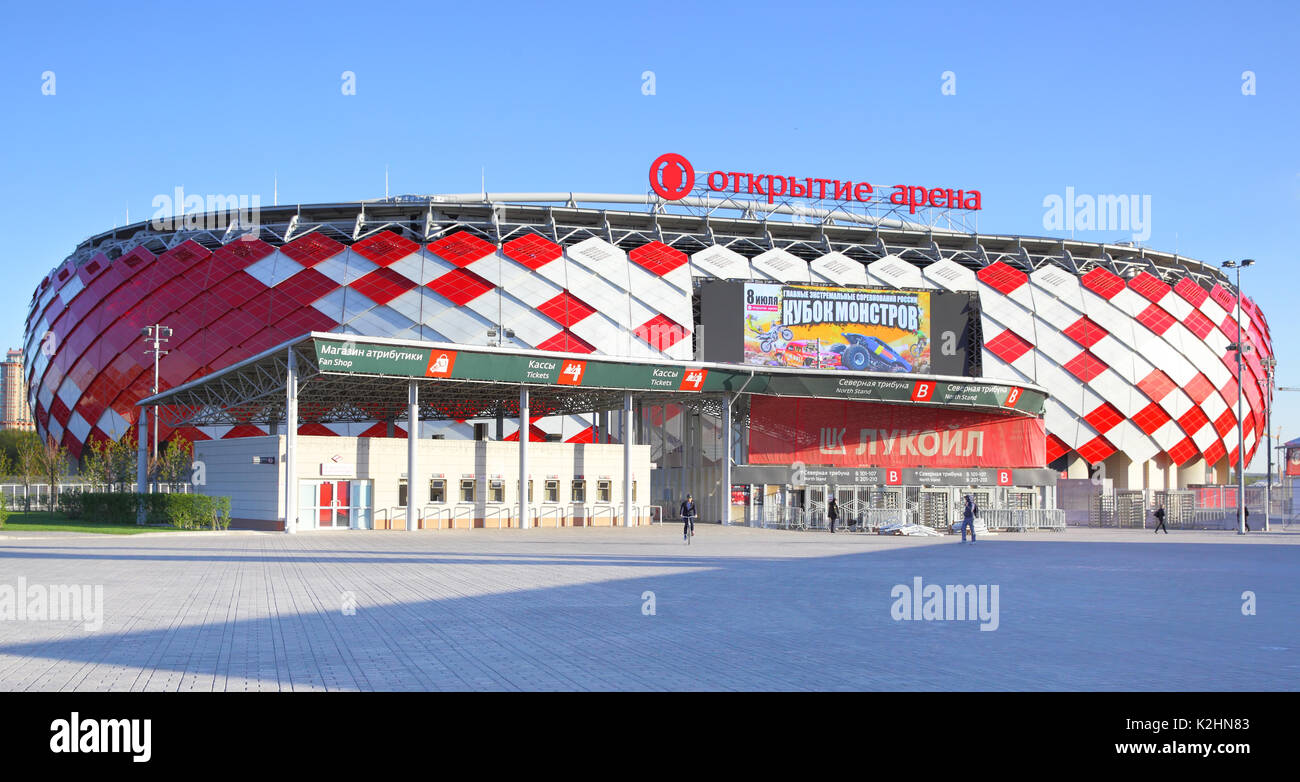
<point>1134,366</point>
<point>247,296</point>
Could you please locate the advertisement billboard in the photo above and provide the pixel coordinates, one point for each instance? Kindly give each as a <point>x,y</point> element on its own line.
<point>823,327</point>
<point>1292,462</point>
<point>786,430</point>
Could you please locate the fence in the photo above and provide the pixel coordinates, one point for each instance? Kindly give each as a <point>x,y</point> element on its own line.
<point>16,494</point>
<point>1022,519</point>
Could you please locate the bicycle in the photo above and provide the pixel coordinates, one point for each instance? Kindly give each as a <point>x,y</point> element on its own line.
<point>688,527</point>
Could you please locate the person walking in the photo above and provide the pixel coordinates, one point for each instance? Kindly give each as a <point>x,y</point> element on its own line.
<point>1246,517</point>
<point>1160,517</point>
<point>968,515</point>
<point>832,513</point>
<point>688,516</point>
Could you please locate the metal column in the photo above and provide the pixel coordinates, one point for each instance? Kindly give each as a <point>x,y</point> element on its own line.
<point>523,458</point>
<point>627,459</point>
<point>291,445</point>
<point>141,462</point>
<point>412,454</point>
<point>726,458</point>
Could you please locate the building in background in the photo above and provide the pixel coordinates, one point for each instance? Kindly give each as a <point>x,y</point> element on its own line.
<point>13,394</point>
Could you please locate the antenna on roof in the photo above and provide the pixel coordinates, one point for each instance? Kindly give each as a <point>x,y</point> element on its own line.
<point>483,181</point>
<point>385,182</point>
<point>275,189</point>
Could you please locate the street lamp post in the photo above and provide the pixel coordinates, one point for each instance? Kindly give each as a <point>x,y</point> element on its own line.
<point>1241,392</point>
<point>1269,364</point>
<point>158,335</point>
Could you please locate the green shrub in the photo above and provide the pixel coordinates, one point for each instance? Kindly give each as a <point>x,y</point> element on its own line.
<point>183,511</point>
<point>4,510</point>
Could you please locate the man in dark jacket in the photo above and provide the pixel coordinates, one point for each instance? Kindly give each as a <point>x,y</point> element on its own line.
<point>832,513</point>
<point>968,518</point>
<point>1160,517</point>
<point>688,516</point>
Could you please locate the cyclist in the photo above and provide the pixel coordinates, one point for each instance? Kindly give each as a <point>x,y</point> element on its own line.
<point>689,513</point>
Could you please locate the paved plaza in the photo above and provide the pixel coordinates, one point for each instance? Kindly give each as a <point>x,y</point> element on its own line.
<point>568,609</point>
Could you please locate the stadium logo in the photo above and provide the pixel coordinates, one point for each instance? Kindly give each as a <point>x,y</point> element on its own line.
<point>672,176</point>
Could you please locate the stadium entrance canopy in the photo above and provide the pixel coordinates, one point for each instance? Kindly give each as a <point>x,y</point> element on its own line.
<point>324,377</point>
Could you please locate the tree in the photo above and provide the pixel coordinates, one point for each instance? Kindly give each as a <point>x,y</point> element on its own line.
<point>53,462</point>
<point>97,463</point>
<point>173,464</point>
<point>27,464</point>
<point>122,461</point>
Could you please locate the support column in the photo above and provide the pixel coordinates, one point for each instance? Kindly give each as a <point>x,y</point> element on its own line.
<point>726,458</point>
<point>627,460</point>
<point>412,454</point>
<point>141,462</point>
<point>523,458</point>
<point>602,428</point>
<point>291,445</point>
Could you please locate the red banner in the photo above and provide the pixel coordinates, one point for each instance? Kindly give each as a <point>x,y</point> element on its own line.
<point>783,430</point>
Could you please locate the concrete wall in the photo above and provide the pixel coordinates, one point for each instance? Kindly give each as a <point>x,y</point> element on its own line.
<point>257,497</point>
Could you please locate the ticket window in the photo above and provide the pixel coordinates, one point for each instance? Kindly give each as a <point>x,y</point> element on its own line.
<point>438,491</point>
<point>579,492</point>
<point>552,491</point>
<point>496,491</point>
<point>467,490</point>
<point>603,492</point>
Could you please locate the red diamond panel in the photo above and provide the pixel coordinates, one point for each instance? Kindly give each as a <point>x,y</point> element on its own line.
<point>385,248</point>
<point>1085,332</point>
<point>660,332</point>
<point>307,286</point>
<point>383,285</point>
<point>1002,277</point>
<point>1191,292</point>
<point>462,248</point>
<point>311,249</point>
<point>1193,420</point>
<point>565,309</point>
<point>1008,346</point>
<point>1096,450</point>
<point>566,342</point>
<point>1223,298</point>
<point>1085,366</point>
<point>1150,286</point>
<point>1225,423</point>
<point>532,250</point>
<point>185,253</point>
<point>1056,448</point>
<point>1155,319</point>
<point>1198,324</point>
<point>1183,452</point>
<point>1151,418</point>
<point>1103,283</point>
<point>236,256</point>
<point>1156,385</point>
<point>1199,388</point>
<point>1216,451</point>
<point>657,257</point>
<point>460,286</point>
<point>1104,417</point>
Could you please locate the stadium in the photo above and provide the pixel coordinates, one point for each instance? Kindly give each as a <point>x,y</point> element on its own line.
<point>1130,345</point>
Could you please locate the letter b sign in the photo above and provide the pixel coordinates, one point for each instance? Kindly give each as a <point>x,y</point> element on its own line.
<point>893,477</point>
<point>923,391</point>
<point>1004,477</point>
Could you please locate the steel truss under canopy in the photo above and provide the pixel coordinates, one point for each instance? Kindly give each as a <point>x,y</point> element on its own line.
<point>254,390</point>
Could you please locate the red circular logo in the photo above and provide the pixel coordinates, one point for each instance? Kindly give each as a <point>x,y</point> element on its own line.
<point>672,176</point>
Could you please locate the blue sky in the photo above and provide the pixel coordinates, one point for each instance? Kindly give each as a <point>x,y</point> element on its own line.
<point>1104,97</point>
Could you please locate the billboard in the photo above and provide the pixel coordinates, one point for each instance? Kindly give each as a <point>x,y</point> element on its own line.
<point>1293,461</point>
<point>821,327</point>
<point>831,432</point>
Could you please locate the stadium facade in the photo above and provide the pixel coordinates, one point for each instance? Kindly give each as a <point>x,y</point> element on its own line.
<point>1132,344</point>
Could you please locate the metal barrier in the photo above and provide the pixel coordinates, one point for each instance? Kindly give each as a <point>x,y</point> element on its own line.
<point>462,512</point>
<point>1021,519</point>
<point>439,512</point>
<point>496,512</point>
<point>543,512</point>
